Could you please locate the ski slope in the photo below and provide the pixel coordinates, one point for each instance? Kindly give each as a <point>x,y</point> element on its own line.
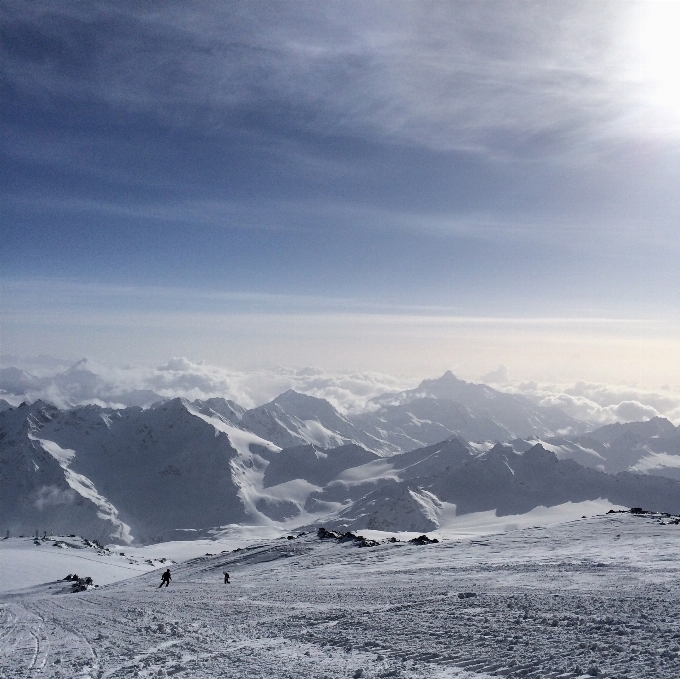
<point>588,597</point>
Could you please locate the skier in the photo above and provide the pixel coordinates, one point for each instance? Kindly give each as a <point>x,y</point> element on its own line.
<point>165,579</point>
<point>226,578</point>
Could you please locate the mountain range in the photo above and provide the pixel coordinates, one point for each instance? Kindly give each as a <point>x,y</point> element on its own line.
<point>180,469</point>
<point>649,447</point>
<point>393,422</point>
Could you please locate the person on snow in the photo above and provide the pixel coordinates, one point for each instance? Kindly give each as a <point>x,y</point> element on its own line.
<point>226,578</point>
<point>165,579</point>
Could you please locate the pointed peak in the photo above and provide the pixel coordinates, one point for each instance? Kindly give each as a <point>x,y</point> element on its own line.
<point>502,449</point>
<point>538,452</point>
<point>447,378</point>
<point>177,403</point>
<point>79,365</point>
<point>292,396</point>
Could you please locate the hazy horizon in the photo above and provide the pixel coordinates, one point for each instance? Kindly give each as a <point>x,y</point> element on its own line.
<point>403,188</point>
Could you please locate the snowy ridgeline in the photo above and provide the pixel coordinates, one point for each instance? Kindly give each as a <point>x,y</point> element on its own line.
<point>591,597</point>
<point>181,470</point>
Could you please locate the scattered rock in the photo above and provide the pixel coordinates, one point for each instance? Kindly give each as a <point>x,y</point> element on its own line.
<point>81,584</point>
<point>324,534</point>
<point>360,540</point>
<point>423,540</point>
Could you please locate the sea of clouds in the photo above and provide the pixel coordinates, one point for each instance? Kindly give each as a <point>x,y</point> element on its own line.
<point>594,402</point>
<point>89,382</point>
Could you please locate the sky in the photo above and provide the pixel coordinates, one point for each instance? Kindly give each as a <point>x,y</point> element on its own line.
<point>404,187</point>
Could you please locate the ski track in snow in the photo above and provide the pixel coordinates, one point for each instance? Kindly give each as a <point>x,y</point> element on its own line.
<point>560,601</point>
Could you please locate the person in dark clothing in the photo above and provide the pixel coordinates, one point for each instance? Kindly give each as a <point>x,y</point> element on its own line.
<point>165,579</point>
<point>226,578</point>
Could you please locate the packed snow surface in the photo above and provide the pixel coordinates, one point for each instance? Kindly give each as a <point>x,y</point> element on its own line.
<point>587,597</point>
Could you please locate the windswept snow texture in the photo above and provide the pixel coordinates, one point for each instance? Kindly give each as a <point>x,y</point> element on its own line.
<point>593,597</point>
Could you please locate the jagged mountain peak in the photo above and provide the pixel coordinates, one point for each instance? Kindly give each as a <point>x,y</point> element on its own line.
<point>655,426</point>
<point>501,449</point>
<point>178,403</point>
<point>77,366</point>
<point>538,453</point>
<point>476,411</point>
<point>226,409</point>
<point>294,399</point>
<point>448,378</point>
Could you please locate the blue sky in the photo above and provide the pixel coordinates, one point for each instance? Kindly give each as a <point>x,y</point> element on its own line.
<point>329,162</point>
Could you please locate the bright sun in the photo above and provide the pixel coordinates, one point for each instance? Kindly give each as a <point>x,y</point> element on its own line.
<point>659,43</point>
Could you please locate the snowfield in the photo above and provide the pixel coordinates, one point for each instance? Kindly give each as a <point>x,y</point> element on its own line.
<point>587,597</point>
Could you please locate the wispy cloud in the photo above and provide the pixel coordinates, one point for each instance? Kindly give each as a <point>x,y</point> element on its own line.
<point>453,75</point>
<point>353,185</point>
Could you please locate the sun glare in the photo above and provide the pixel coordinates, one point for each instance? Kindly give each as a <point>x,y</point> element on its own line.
<point>659,41</point>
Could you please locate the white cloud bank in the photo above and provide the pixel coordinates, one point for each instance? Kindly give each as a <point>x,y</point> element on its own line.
<point>350,392</point>
<point>92,382</point>
<point>596,403</point>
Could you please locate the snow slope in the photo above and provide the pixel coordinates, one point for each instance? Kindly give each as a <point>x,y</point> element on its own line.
<point>292,419</point>
<point>149,474</point>
<point>26,562</point>
<point>593,597</point>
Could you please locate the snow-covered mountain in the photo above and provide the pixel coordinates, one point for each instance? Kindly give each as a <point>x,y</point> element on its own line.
<point>145,473</point>
<point>650,447</point>
<point>292,419</point>
<point>427,487</point>
<point>436,410</point>
<point>179,469</point>
<point>38,491</point>
<point>446,406</point>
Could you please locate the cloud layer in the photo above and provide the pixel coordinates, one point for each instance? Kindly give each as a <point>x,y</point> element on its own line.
<point>597,404</point>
